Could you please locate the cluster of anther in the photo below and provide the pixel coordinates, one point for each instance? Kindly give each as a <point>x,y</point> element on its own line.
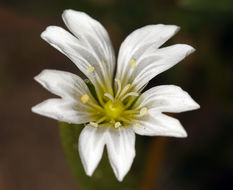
<point>116,111</point>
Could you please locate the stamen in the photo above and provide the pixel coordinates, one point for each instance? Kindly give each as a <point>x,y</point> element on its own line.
<point>109,96</point>
<point>129,103</point>
<point>143,111</point>
<point>84,98</point>
<point>117,125</point>
<point>101,119</point>
<point>103,62</point>
<point>137,124</point>
<point>124,119</point>
<point>118,86</point>
<point>90,69</point>
<point>125,89</point>
<point>129,94</point>
<point>93,124</point>
<point>132,63</point>
<point>130,112</point>
<point>87,81</point>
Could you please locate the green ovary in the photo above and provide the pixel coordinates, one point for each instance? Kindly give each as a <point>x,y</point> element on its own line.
<point>113,110</point>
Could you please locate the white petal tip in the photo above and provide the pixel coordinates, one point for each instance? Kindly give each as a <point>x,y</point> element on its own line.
<point>194,105</point>
<point>183,134</point>
<point>190,49</point>
<point>120,179</point>
<point>175,28</point>
<point>119,176</point>
<point>186,49</point>
<point>50,32</point>
<point>172,27</point>
<point>120,173</point>
<point>70,12</point>
<point>43,35</point>
<point>37,77</point>
<point>35,109</point>
<point>89,172</point>
<point>66,12</point>
<point>42,75</point>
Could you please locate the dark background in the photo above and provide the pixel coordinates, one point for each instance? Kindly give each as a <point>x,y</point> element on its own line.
<point>31,156</point>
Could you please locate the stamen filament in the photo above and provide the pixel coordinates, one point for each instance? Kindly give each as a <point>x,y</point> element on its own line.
<point>118,87</point>
<point>124,119</point>
<point>129,94</point>
<point>125,89</point>
<point>130,112</point>
<point>109,96</point>
<point>101,119</point>
<point>95,106</point>
<point>143,111</point>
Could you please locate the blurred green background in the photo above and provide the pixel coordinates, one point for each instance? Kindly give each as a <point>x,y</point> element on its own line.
<point>31,156</point>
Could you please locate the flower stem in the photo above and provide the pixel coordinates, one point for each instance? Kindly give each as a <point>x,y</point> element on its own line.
<point>154,163</point>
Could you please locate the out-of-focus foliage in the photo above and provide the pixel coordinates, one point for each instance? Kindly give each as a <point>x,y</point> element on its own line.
<point>208,6</point>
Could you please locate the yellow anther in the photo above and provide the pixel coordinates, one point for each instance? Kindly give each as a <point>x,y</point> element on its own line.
<point>84,98</point>
<point>137,124</point>
<point>87,81</point>
<point>103,62</point>
<point>90,69</point>
<point>143,111</point>
<point>128,86</point>
<point>117,124</point>
<point>132,63</point>
<point>93,124</point>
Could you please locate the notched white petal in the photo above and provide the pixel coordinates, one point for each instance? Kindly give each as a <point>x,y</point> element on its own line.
<point>166,98</point>
<point>83,56</point>
<point>61,110</point>
<point>94,37</point>
<point>139,42</point>
<point>91,146</point>
<point>121,150</point>
<point>155,62</point>
<point>160,125</point>
<point>64,84</point>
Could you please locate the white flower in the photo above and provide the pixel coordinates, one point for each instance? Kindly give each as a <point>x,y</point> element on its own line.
<point>117,109</point>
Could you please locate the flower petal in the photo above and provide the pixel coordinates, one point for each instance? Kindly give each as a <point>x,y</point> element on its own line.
<point>61,110</point>
<point>71,88</point>
<point>166,98</point>
<point>93,34</point>
<point>91,146</point>
<point>160,125</point>
<point>121,150</point>
<point>140,59</point>
<point>152,64</point>
<point>91,53</point>
<point>138,42</point>
<point>63,84</point>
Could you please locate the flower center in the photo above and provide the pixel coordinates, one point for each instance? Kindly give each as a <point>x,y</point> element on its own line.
<point>116,109</point>
<point>113,109</point>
